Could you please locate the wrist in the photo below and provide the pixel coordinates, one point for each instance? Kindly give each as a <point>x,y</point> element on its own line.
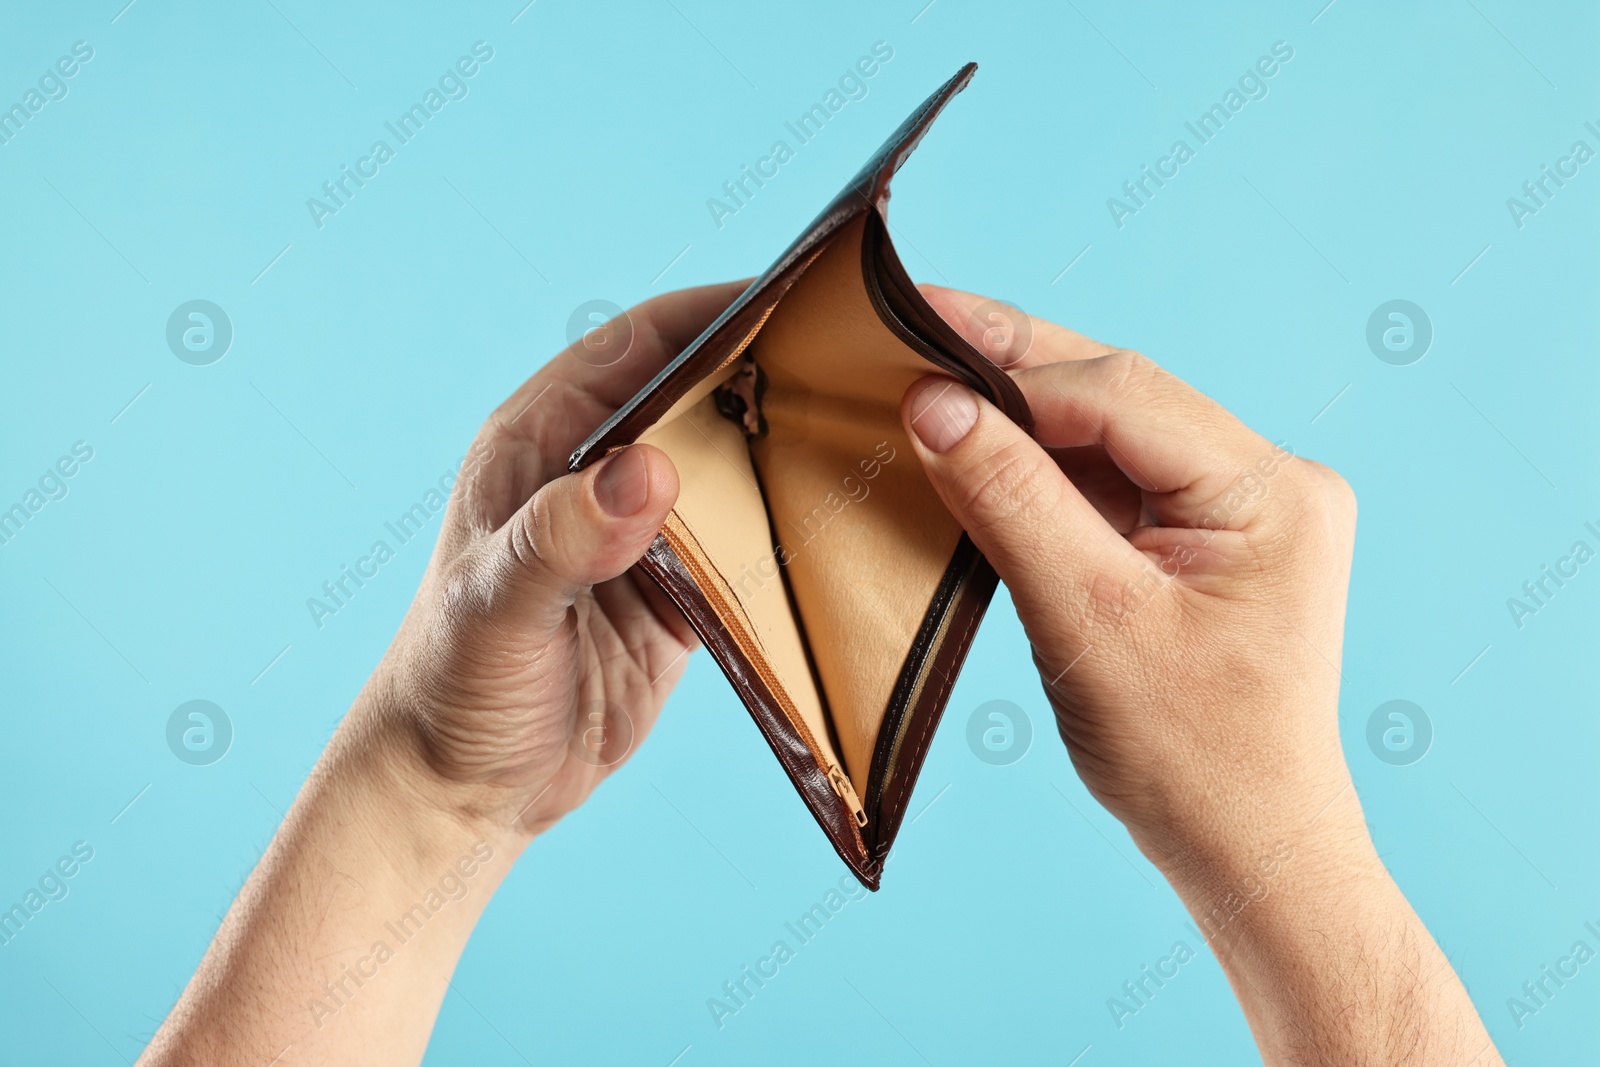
<point>372,862</point>
<point>1313,834</point>
<point>1259,890</point>
<point>380,758</point>
<point>1320,946</point>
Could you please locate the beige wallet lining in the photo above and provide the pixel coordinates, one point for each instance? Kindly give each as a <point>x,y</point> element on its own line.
<point>824,531</point>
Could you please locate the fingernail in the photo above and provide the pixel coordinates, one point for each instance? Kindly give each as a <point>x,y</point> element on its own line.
<point>623,483</point>
<point>942,413</point>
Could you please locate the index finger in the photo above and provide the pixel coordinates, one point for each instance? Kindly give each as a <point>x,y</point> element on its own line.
<point>609,361</point>
<point>1197,463</point>
<point>1012,339</point>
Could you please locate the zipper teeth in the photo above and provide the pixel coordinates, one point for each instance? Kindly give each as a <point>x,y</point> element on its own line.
<point>688,550</point>
<point>748,339</point>
<point>916,690</point>
<point>767,314</point>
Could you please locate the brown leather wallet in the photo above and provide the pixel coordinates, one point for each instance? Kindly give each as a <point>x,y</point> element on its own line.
<point>807,548</point>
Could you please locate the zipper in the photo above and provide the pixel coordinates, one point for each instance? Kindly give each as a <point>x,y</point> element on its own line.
<point>940,634</point>
<point>710,581</point>
<point>767,314</point>
<point>687,548</point>
<point>847,792</point>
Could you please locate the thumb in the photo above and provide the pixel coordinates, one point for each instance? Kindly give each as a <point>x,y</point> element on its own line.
<point>1056,553</point>
<point>580,530</point>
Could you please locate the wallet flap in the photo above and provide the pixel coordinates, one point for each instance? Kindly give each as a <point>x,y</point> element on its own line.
<point>869,188</point>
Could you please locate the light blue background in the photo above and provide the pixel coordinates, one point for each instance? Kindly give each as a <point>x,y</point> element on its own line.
<point>181,161</point>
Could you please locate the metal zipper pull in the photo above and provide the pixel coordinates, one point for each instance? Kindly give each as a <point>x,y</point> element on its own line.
<point>841,785</point>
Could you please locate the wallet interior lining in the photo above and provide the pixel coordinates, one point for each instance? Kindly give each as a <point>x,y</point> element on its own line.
<point>824,530</point>
<point>722,525</point>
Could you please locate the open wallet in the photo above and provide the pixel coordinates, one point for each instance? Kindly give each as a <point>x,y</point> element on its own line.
<point>807,547</point>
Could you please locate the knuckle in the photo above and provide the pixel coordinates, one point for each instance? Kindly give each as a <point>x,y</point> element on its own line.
<point>1127,371</point>
<point>1327,497</point>
<point>1310,524</point>
<point>480,456</point>
<point>547,539</point>
<point>463,593</point>
<point>524,534</point>
<point>532,540</point>
<point>1340,491</point>
<point>1340,510</point>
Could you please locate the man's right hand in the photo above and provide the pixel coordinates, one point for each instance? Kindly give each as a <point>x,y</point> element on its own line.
<point>1182,582</point>
<point>1181,579</point>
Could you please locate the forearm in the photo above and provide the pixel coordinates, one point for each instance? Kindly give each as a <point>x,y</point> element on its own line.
<point>478,729</point>
<point>341,944</point>
<point>1328,960</point>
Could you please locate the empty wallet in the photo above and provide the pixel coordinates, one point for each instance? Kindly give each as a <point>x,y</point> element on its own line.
<point>807,547</point>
